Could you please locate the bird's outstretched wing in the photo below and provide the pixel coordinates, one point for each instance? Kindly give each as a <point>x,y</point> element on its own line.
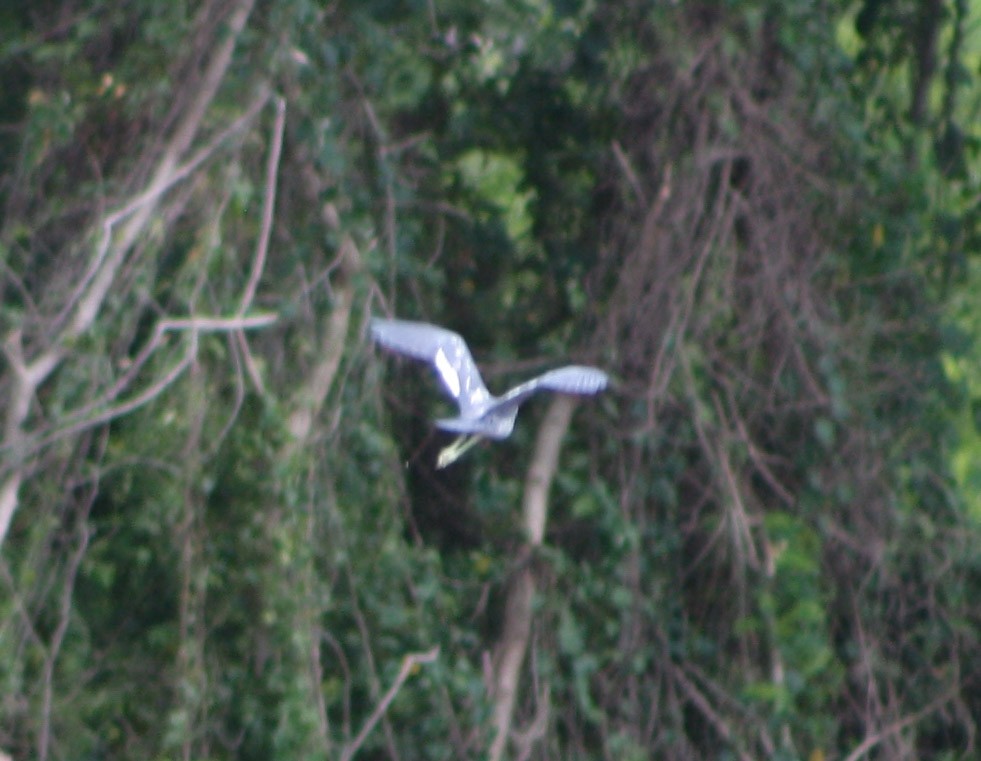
<point>572,379</point>
<point>445,350</point>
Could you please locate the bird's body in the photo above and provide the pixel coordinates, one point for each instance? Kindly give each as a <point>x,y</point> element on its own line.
<point>481,413</point>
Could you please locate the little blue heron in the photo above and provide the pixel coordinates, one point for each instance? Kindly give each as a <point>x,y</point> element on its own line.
<point>481,414</point>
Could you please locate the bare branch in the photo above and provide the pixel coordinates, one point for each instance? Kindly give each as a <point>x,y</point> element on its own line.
<point>218,324</point>
<point>113,250</point>
<point>627,168</point>
<point>374,685</point>
<point>154,192</point>
<point>409,663</point>
<point>64,618</point>
<point>83,419</point>
<point>262,248</point>
<point>526,739</point>
<point>268,207</point>
<point>8,500</point>
<point>126,407</point>
<point>164,175</point>
<point>704,707</point>
<point>898,726</point>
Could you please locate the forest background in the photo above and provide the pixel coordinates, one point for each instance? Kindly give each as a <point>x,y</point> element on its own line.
<point>221,532</point>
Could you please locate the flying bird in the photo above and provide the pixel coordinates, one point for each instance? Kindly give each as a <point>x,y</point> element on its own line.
<point>482,415</point>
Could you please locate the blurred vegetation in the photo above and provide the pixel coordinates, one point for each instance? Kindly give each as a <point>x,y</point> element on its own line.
<point>227,538</point>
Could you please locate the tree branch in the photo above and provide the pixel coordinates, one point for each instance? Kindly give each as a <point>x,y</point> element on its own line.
<point>897,726</point>
<point>84,418</point>
<point>268,207</point>
<point>510,651</point>
<point>164,175</point>
<point>409,663</point>
<point>152,193</point>
<point>311,397</point>
<point>105,268</point>
<point>64,618</point>
<point>704,707</point>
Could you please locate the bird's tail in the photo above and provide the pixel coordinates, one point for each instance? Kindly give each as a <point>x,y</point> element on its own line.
<point>460,425</point>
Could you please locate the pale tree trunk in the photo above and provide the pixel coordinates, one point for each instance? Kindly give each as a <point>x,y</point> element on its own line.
<point>305,408</point>
<point>309,399</point>
<point>510,651</point>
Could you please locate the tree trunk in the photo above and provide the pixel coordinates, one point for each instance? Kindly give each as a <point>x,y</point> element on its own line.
<point>510,650</point>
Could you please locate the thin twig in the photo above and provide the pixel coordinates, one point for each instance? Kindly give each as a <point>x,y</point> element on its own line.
<point>83,419</point>
<point>262,248</point>
<point>624,161</point>
<point>374,684</point>
<point>268,207</point>
<point>126,407</point>
<point>346,668</point>
<point>704,707</point>
<point>218,324</point>
<point>64,618</point>
<point>897,726</point>
<point>409,663</point>
<point>153,192</point>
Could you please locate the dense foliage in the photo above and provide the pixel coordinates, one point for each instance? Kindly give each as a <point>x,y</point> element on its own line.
<point>221,530</point>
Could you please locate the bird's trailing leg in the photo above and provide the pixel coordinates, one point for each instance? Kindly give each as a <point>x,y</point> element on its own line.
<point>450,454</point>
